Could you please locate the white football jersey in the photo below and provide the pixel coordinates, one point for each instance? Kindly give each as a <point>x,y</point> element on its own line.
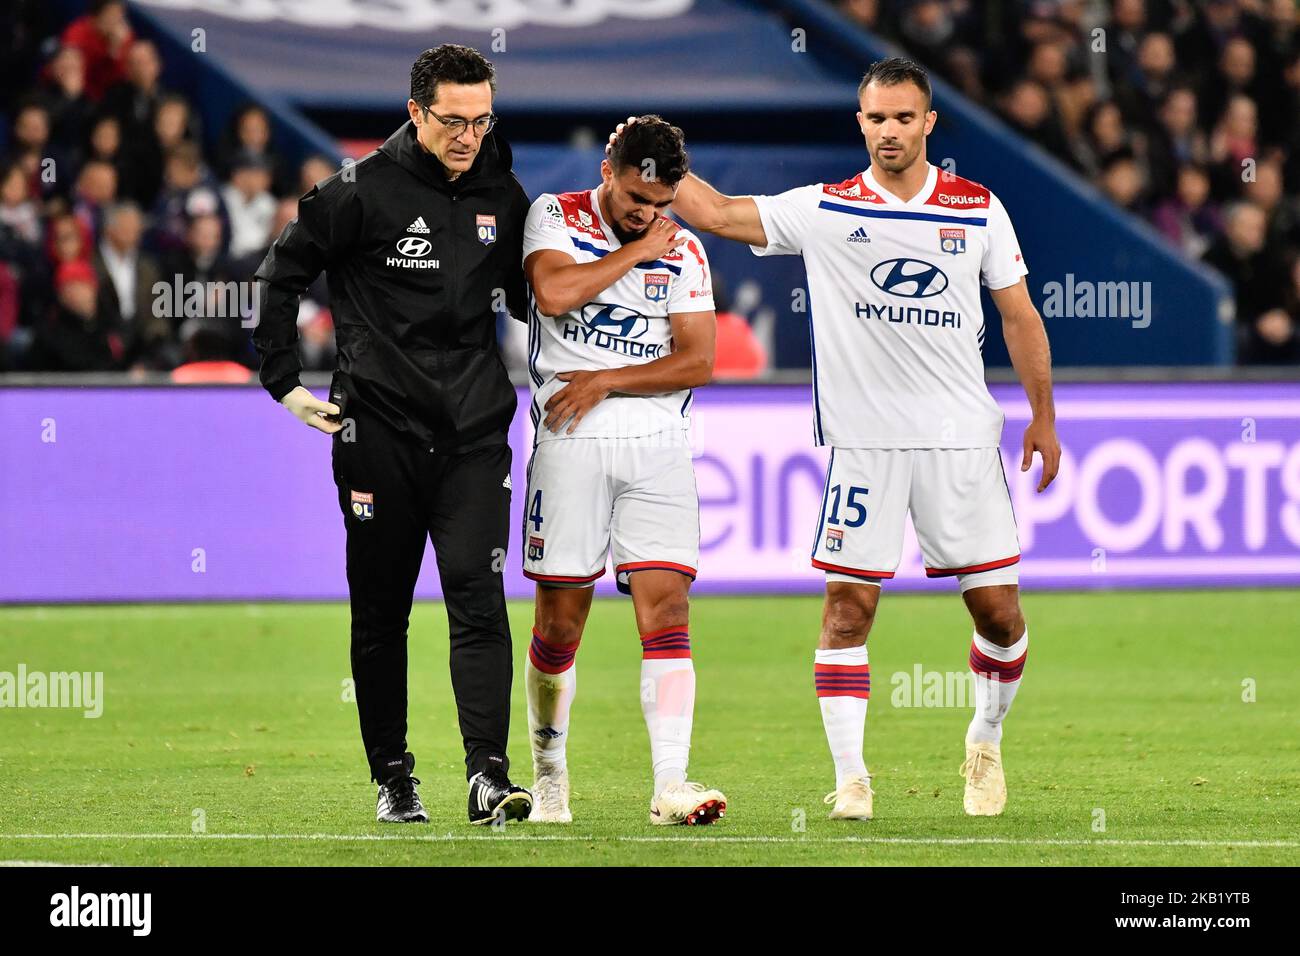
<point>894,295</point>
<point>626,324</point>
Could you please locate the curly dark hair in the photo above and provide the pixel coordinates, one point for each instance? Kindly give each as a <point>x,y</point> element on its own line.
<point>449,63</point>
<point>895,70</point>
<point>652,138</point>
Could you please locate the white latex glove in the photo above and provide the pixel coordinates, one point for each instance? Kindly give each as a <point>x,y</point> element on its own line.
<point>309,409</point>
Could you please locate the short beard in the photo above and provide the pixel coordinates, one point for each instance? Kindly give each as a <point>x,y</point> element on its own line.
<point>896,165</point>
<point>623,236</point>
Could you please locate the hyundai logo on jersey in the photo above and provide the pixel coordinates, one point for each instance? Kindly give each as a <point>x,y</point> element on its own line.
<point>656,287</point>
<point>909,278</point>
<point>615,320</point>
<point>414,247</point>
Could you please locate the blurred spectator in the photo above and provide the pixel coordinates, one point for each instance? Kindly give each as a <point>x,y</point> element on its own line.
<point>1140,95</point>
<point>105,144</point>
<point>187,192</point>
<point>134,100</point>
<point>208,358</point>
<point>202,259</point>
<point>18,208</point>
<point>65,100</point>
<point>96,189</point>
<point>77,337</point>
<point>865,13</point>
<point>249,134</point>
<point>127,277</point>
<point>313,170</point>
<point>1258,278</point>
<point>136,103</point>
<point>173,124</point>
<point>1176,140</point>
<point>1189,219</point>
<point>1282,212</point>
<point>1122,180</point>
<point>1271,340</point>
<point>1233,145</point>
<point>103,36</point>
<point>926,26</point>
<point>69,240</point>
<point>250,207</point>
<point>31,147</point>
<point>1027,108</point>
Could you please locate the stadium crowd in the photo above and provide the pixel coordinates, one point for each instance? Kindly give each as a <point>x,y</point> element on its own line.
<point>1184,113</point>
<point>107,189</point>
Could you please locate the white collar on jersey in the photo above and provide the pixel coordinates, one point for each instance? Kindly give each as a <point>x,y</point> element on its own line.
<point>918,200</point>
<point>610,236</point>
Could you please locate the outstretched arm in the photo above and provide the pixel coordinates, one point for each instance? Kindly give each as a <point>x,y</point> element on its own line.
<point>731,217</point>
<point>1026,338</point>
<point>706,209</point>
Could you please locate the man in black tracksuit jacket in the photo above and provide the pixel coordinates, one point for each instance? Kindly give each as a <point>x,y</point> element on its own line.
<point>421,245</point>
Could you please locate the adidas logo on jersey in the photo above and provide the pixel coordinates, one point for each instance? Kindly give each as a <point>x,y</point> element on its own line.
<point>418,225</point>
<point>859,235</point>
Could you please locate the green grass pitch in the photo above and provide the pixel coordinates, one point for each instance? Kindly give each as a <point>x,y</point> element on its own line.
<point>1134,739</point>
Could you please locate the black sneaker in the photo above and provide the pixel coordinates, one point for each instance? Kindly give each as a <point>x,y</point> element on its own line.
<point>493,797</point>
<point>398,802</point>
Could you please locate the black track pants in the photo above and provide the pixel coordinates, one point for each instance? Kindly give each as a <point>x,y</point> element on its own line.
<point>393,491</point>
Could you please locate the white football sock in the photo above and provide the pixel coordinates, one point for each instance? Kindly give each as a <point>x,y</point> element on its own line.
<point>551,680</point>
<point>668,702</point>
<point>997,678</point>
<point>843,680</point>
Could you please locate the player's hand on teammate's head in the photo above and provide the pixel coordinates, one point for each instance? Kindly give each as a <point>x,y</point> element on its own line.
<point>613,137</point>
<point>309,409</point>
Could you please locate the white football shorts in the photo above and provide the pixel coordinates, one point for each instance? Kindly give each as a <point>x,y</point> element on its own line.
<point>586,494</point>
<point>960,506</point>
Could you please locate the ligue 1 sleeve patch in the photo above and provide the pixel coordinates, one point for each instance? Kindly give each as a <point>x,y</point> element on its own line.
<point>487,228</point>
<point>363,505</point>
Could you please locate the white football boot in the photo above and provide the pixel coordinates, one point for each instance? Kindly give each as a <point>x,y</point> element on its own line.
<point>852,801</point>
<point>986,785</point>
<point>550,794</point>
<point>689,804</point>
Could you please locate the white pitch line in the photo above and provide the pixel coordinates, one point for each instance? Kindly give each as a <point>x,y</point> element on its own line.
<point>692,840</point>
<point>43,863</point>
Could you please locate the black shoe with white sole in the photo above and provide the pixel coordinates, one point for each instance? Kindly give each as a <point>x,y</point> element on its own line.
<point>398,802</point>
<point>493,797</point>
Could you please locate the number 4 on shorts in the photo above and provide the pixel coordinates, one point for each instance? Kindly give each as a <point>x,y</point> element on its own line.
<point>535,511</point>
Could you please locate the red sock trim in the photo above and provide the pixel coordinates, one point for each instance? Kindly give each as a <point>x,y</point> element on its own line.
<point>843,680</point>
<point>551,658</point>
<point>666,644</point>
<point>1003,671</point>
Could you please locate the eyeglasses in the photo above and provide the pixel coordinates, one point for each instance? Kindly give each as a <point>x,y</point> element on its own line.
<point>455,125</point>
